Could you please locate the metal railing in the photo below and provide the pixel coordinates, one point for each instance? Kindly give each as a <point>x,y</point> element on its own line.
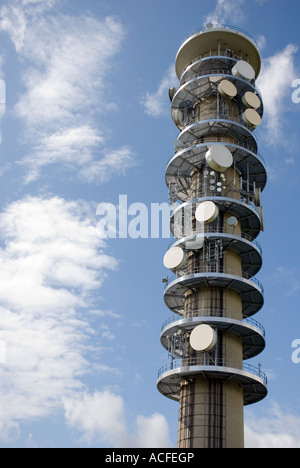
<point>209,361</point>
<point>230,191</point>
<point>212,140</point>
<point>214,115</point>
<point>239,30</point>
<point>208,229</point>
<point>209,312</point>
<point>217,71</point>
<point>214,53</point>
<point>220,27</point>
<point>221,72</point>
<point>213,270</point>
<point>219,52</point>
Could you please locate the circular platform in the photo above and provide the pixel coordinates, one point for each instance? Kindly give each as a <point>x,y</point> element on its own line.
<point>250,331</point>
<point>247,215</point>
<point>249,251</point>
<point>194,132</point>
<point>252,379</point>
<point>205,85</point>
<point>208,39</point>
<point>249,288</point>
<point>246,158</point>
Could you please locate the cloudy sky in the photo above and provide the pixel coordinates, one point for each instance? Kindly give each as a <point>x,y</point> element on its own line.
<point>85,118</point>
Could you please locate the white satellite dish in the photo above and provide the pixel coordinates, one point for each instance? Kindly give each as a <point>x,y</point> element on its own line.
<point>251,100</point>
<point>203,338</point>
<point>243,70</point>
<point>219,157</point>
<point>195,243</point>
<point>177,117</point>
<point>171,93</point>
<point>214,79</point>
<point>206,212</point>
<point>252,118</point>
<point>227,89</point>
<point>232,221</point>
<point>174,258</point>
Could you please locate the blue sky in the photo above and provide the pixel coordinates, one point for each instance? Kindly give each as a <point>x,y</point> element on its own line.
<point>87,119</point>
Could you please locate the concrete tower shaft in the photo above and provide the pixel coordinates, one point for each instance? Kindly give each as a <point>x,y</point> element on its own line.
<point>215,180</point>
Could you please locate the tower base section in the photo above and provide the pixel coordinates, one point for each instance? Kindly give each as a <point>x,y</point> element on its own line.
<point>210,414</point>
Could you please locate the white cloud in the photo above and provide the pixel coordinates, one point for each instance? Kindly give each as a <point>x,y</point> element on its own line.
<point>12,20</point>
<point>157,104</point>
<point>45,240</point>
<point>51,264</point>
<point>114,163</point>
<point>226,10</point>
<point>101,419</point>
<point>98,416</point>
<point>45,3</point>
<point>153,431</point>
<point>261,2</point>
<point>2,94</point>
<point>69,59</point>
<point>261,42</point>
<point>275,83</point>
<point>279,428</point>
<point>65,62</point>
<point>72,147</point>
<point>287,276</point>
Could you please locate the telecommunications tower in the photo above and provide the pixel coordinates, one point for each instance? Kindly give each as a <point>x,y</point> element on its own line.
<point>215,179</point>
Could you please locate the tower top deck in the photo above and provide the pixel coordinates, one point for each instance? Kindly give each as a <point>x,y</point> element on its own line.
<point>215,38</point>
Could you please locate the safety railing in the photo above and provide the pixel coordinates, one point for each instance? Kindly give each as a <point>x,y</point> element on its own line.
<point>239,30</point>
<point>228,117</point>
<point>220,52</point>
<point>209,361</point>
<point>208,229</point>
<point>244,194</point>
<point>215,270</point>
<point>219,139</point>
<point>226,52</point>
<point>217,71</point>
<point>221,72</point>
<point>209,312</point>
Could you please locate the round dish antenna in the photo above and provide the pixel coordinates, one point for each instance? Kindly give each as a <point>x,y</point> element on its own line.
<point>252,118</point>
<point>219,158</point>
<point>227,89</point>
<point>171,93</point>
<point>203,338</point>
<point>174,258</point>
<point>232,221</point>
<point>243,70</point>
<point>251,100</point>
<point>206,212</point>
